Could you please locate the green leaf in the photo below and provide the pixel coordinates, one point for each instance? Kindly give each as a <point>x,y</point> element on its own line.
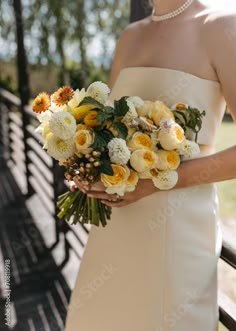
<point>101,139</point>
<point>91,101</point>
<point>121,129</point>
<point>121,107</point>
<point>105,167</point>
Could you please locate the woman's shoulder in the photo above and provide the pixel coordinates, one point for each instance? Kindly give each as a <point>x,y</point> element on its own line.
<point>219,26</point>
<point>221,15</point>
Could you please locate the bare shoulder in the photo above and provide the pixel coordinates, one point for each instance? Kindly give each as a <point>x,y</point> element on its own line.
<point>220,22</point>
<point>124,44</point>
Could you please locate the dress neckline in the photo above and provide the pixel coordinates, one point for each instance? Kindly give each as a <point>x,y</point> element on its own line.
<point>214,82</point>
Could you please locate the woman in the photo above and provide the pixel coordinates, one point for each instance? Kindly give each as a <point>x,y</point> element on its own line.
<point>154,267</point>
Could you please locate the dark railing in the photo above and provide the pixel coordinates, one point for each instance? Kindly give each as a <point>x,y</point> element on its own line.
<point>37,173</point>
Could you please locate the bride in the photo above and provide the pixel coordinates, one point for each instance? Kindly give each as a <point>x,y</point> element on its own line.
<point>154,267</point>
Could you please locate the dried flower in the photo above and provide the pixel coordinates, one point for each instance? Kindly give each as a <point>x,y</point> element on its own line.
<point>63,95</point>
<point>41,103</point>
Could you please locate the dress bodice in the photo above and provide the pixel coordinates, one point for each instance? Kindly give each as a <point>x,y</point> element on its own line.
<point>173,86</point>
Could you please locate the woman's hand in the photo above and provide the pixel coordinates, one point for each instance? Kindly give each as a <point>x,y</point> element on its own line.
<point>144,188</point>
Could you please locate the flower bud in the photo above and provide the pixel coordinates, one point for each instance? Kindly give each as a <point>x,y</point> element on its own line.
<point>91,159</point>
<point>87,156</point>
<point>96,164</point>
<point>88,165</point>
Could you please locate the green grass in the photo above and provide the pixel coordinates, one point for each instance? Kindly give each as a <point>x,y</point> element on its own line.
<point>227,189</point>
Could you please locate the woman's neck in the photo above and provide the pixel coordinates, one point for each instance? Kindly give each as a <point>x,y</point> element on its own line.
<point>163,7</point>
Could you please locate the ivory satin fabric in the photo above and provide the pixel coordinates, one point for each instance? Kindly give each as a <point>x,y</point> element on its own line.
<point>154,266</point>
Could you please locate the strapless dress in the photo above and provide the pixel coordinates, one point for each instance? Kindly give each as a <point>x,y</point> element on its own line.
<point>154,266</point>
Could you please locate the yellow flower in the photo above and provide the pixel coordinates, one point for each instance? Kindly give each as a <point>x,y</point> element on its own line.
<point>143,159</point>
<point>41,103</point>
<point>63,95</point>
<point>80,112</point>
<point>167,160</point>
<point>91,119</point>
<point>171,138</point>
<point>159,112</point>
<point>140,140</point>
<point>132,181</point>
<point>146,108</point>
<point>81,127</point>
<point>83,140</point>
<point>119,177</point>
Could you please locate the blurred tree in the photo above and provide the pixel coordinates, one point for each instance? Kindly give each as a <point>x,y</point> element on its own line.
<point>22,66</point>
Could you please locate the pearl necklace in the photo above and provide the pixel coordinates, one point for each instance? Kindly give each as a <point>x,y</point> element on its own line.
<point>174,13</point>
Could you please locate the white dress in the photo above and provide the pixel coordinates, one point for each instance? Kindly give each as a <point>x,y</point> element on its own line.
<point>154,267</point>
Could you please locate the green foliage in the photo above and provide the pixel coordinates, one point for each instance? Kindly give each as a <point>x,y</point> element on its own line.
<point>190,118</point>
<point>121,129</point>
<point>105,166</point>
<point>121,107</point>
<point>101,139</point>
<point>91,101</point>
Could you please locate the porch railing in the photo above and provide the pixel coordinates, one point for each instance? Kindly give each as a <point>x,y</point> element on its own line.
<point>38,174</point>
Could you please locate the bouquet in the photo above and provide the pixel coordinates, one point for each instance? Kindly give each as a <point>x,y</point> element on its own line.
<point>116,142</point>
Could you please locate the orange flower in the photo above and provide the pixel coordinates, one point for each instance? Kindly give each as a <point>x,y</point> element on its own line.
<point>41,103</point>
<point>63,95</point>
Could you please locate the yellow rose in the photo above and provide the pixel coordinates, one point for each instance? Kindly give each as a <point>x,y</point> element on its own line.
<point>146,108</point>
<point>91,119</point>
<point>119,177</point>
<point>172,137</point>
<point>132,181</point>
<point>80,112</point>
<point>83,140</point>
<point>143,159</point>
<point>167,160</point>
<point>159,112</point>
<point>80,127</point>
<point>146,174</point>
<point>140,140</point>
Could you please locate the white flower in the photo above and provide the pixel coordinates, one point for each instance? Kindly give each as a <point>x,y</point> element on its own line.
<point>189,148</point>
<point>60,149</point>
<point>118,151</point>
<point>44,116</point>
<point>62,125</point>
<point>172,136</point>
<point>131,114</point>
<point>119,189</point>
<point>55,108</point>
<point>167,160</point>
<point>136,101</point>
<point>165,180</point>
<point>44,119</point>
<point>99,91</point>
<point>77,98</point>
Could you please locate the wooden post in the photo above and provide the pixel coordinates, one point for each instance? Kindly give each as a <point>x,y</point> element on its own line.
<point>139,9</point>
<point>23,82</point>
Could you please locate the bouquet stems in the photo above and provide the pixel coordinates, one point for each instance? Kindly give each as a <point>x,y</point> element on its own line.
<point>79,208</point>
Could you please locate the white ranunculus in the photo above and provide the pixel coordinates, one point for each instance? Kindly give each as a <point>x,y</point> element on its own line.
<point>189,148</point>
<point>118,151</point>
<point>62,125</point>
<point>60,149</point>
<point>165,180</point>
<point>99,91</point>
